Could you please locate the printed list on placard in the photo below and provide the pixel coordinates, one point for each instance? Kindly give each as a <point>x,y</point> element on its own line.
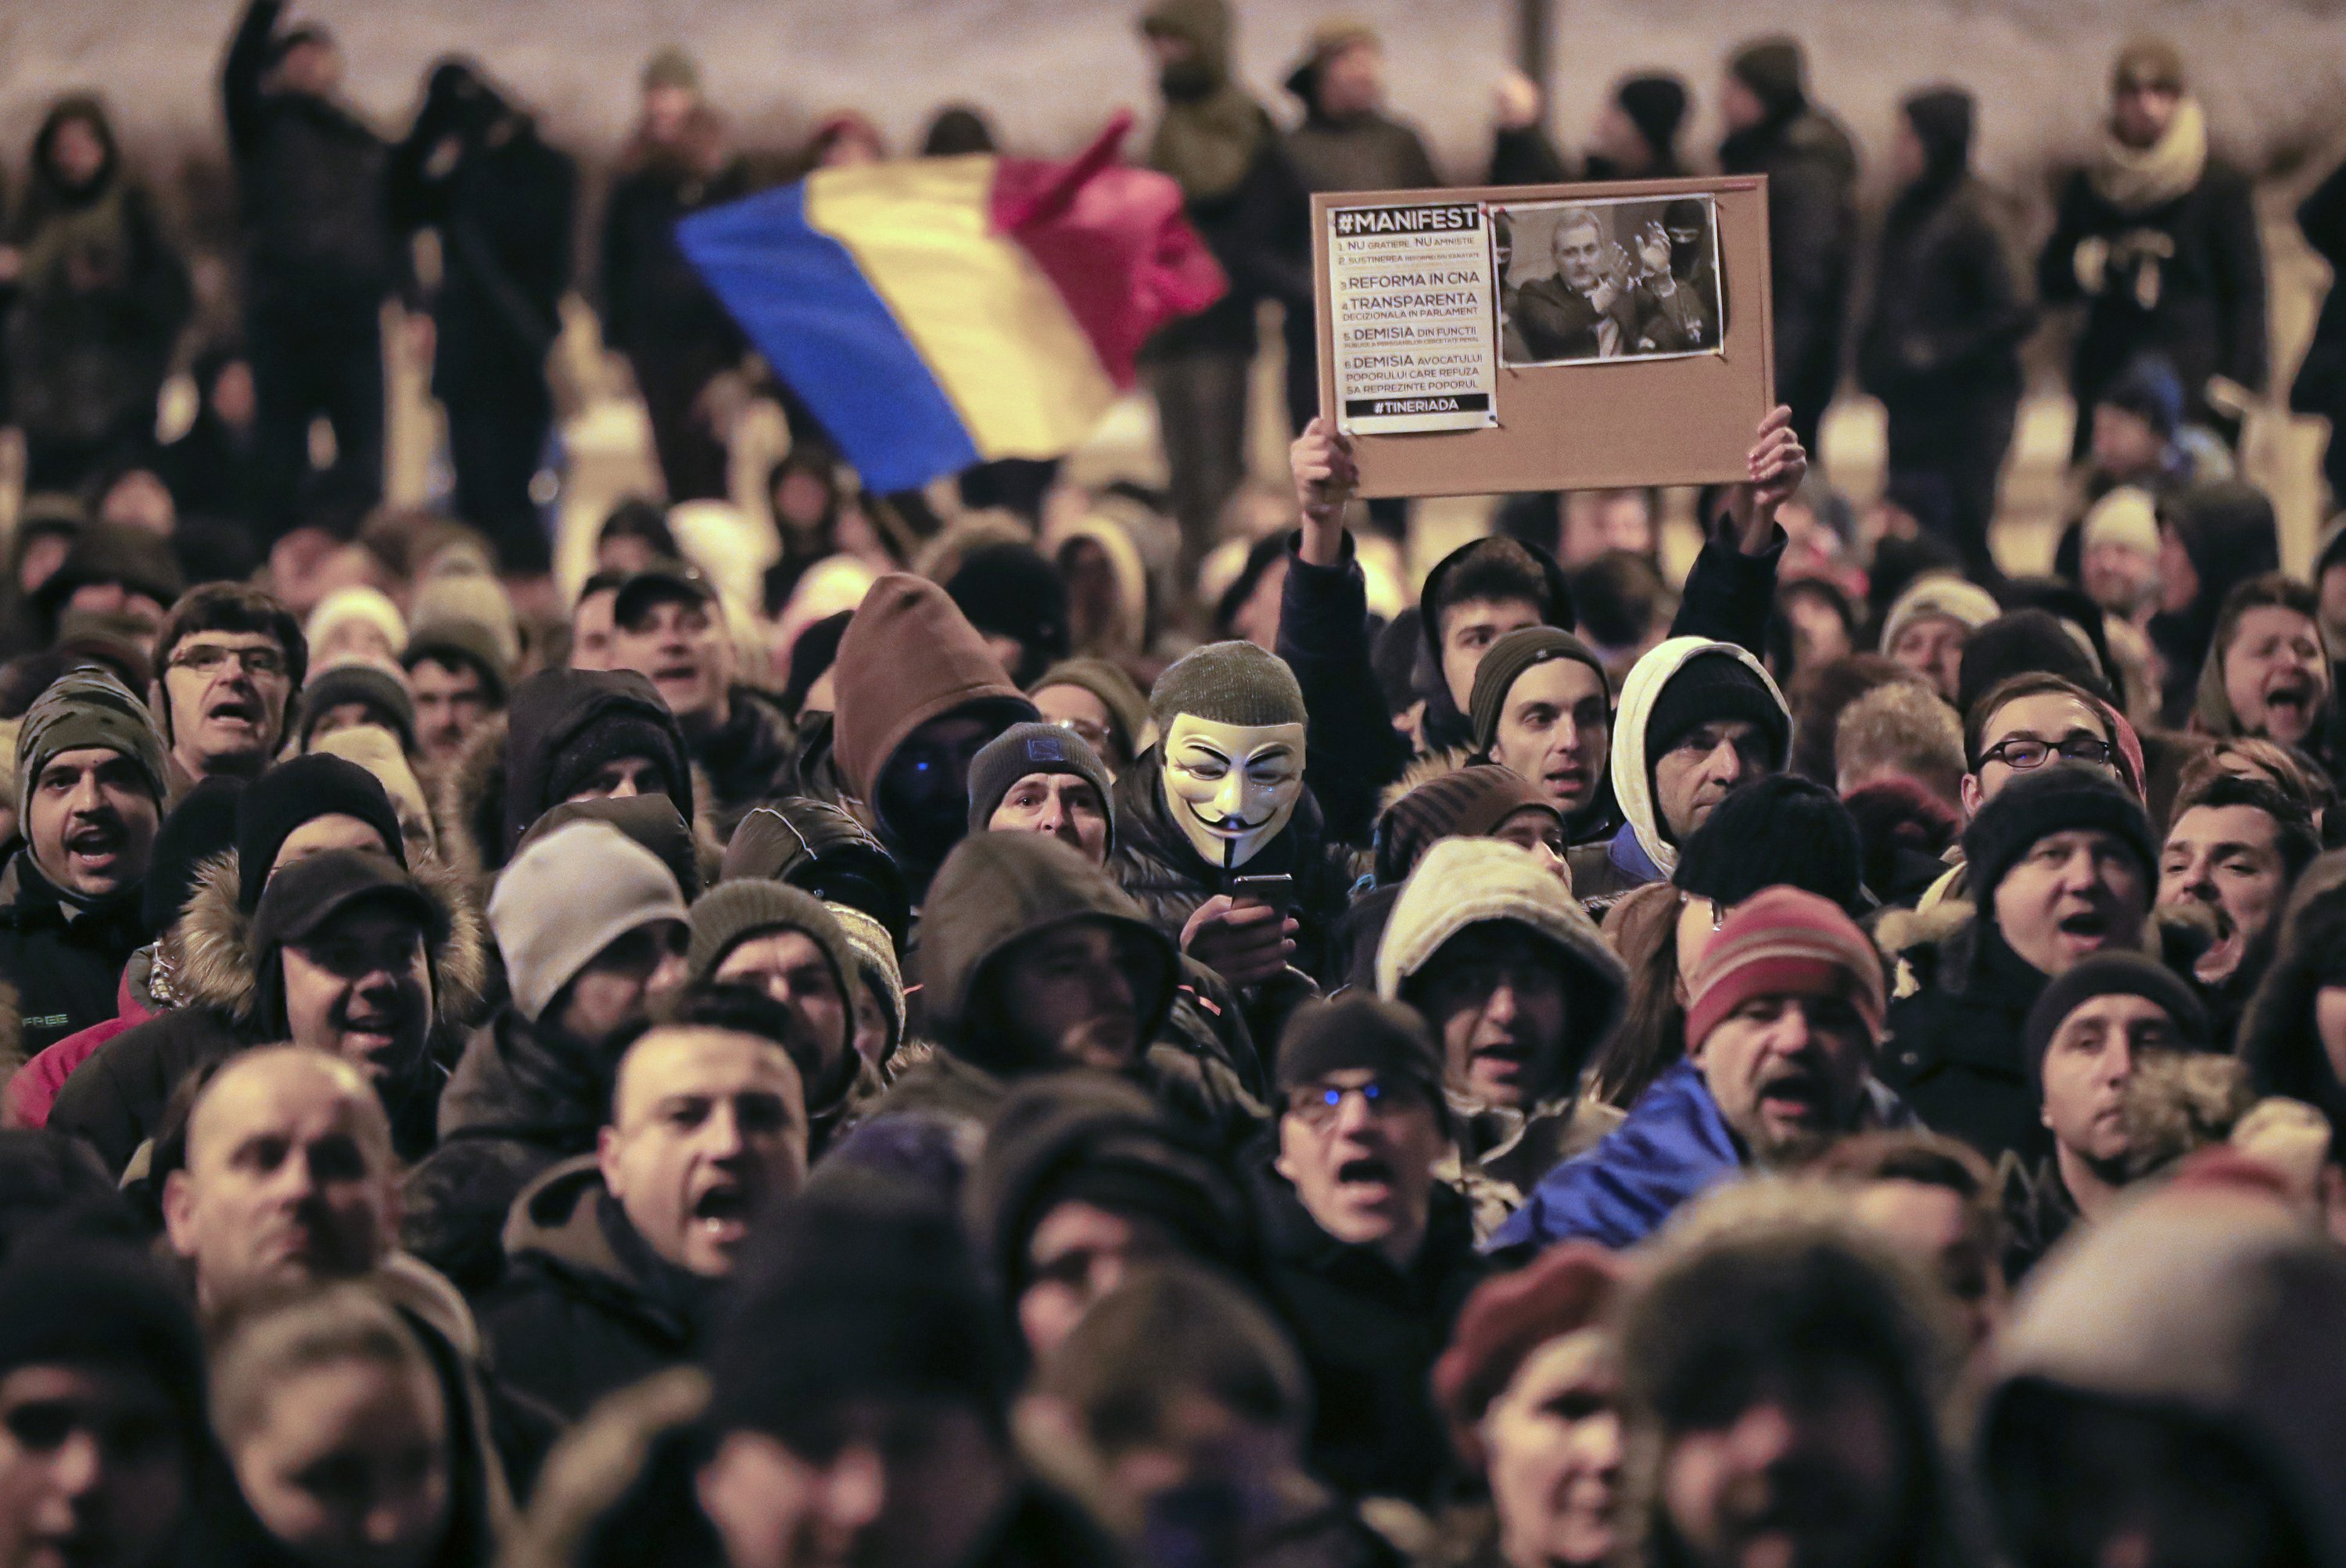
<point>1413,318</point>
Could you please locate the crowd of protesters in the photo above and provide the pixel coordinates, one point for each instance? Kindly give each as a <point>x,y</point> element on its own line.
<point>1065,1029</point>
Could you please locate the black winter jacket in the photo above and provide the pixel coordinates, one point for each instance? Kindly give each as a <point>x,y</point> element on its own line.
<point>748,761</point>
<point>1812,169</point>
<point>517,1104</point>
<point>310,184</point>
<point>1955,1053</point>
<point>586,1306</point>
<point>66,964</point>
<point>1156,863</point>
<point>505,213</point>
<point>1948,314</point>
<point>1370,1334</point>
<point>2198,260</point>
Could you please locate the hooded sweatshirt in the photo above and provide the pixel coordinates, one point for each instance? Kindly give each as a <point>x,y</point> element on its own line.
<point>2216,1305</point>
<point>908,657</point>
<point>1464,883</point>
<point>996,889</point>
<point>1642,850</point>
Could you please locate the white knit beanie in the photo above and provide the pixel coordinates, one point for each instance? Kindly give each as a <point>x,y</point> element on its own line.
<point>1939,594</point>
<point>569,896</point>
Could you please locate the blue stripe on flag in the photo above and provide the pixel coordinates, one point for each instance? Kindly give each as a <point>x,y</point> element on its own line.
<point>808,307</point>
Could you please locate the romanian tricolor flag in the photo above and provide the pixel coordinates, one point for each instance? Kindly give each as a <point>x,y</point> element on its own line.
<point>940,312</point>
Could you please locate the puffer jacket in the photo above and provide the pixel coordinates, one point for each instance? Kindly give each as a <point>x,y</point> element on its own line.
<point>115,1100</point>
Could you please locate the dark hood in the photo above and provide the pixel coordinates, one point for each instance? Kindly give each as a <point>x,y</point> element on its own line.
<point>907,658</point>
<point>1446,726</point>
<point>814,845</point>
<point>44,192</point>
<point>554,707</point>
<point>568,1223</point>
<point>993,890</point>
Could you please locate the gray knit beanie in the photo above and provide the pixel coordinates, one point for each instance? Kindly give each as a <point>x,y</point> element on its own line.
<point>1228,683</point>
<point>566,898</point>
<point>1036,748</point>
<point>731,912</point>
<point>87,707</point>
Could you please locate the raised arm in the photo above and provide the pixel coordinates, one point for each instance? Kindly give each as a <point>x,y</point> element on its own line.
<point>241,75</point>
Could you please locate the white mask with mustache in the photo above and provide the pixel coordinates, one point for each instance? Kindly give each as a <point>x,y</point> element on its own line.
<point>1231,786</point>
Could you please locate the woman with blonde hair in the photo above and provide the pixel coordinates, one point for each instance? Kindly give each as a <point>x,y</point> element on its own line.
<point>339,1424</point>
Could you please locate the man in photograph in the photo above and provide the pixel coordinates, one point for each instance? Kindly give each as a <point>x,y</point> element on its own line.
<point>1596,307</point>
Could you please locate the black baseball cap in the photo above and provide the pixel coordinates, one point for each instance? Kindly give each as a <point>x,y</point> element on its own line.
<point>659,583</point>
<point>305,895</point>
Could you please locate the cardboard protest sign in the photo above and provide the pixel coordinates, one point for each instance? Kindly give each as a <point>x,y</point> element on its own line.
<point>1499,339</point>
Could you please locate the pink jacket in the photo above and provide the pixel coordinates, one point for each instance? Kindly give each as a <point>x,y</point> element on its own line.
<point>34,1088</point>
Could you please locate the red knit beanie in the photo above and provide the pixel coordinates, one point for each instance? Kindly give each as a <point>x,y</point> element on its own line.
<point>1567,1288</point>
<point>1783,941</point>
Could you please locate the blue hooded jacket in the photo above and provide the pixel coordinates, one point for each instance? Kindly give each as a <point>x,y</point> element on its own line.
<point>1673,1144</point>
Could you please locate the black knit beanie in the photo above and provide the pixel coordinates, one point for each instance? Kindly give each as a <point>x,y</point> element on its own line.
<point>1780,830</point>
<point>615,734</point>
<point>1009,590</point>
<point>2059,798</point>
<point>1228,683</point>
<point>1775,72</point>
<point>297,792</point>
<point>862,1287</point>
<point>92,1303</point>
<point>1707,688</point>
<point>1359,1033</point>
<point>1072,1138</point>
<point>202,825</point>
<point>1657,105</point>
<point>381,692</point>
<point>1503,663</point>
<point>2023,642</point>
<point>2116,973</point>
<point>1035,747</point>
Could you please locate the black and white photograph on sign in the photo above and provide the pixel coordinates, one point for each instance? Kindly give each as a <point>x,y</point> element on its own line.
<point>1629,279</point>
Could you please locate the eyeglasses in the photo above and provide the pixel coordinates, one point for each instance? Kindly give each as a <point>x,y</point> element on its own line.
<point>2021,755</point>
<point>208,660</point>
<point>1093,734</point>
<point>1318,1108</point>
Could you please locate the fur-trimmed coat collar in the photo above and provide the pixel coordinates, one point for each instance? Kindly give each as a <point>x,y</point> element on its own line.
<point>218,967</point>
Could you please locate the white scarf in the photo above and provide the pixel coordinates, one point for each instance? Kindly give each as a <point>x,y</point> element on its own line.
<point>2135,179</point>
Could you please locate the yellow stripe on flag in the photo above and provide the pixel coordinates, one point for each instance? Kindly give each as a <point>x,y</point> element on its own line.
<point>993,330</point>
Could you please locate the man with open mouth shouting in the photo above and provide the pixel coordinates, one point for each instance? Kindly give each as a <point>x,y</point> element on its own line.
<point>89,782</point>
<point>2061,866</point>
<point>226,665</point>
<point>615,1257</point>
<point>1370,1255</point>
<point>1784,1017</point>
